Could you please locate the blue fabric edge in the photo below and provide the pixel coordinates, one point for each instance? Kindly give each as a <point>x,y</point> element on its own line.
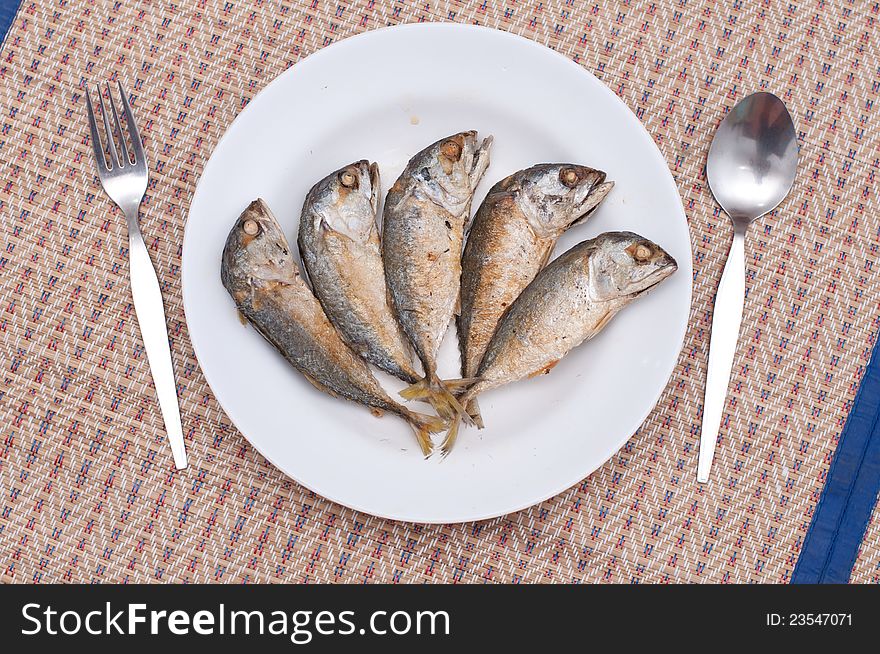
<point>8,9</point>
<point>848,499</point>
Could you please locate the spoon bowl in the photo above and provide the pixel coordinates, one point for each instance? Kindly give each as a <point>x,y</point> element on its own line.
<point>750,168</point>
<point>753,157</point>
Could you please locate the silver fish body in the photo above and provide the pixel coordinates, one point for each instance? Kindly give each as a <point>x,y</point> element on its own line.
<point>258,271</point>
<point>567,303</point>
<point>424,219</point>
<point>511,239</point>
<point>340,249</point>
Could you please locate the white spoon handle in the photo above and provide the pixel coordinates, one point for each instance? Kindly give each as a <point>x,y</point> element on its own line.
<point>726,320</point>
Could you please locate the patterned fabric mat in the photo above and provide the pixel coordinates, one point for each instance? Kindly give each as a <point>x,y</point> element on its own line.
<point>87,491</point>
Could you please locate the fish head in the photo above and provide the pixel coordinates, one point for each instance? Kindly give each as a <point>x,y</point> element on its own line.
<point>624,265</point>
<point>556,196</point>
<point>346,201</point>
<point>256,249</point>
<point>449,170</point>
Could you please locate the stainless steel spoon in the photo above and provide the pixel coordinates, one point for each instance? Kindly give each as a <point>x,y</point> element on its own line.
<point>750,169</point>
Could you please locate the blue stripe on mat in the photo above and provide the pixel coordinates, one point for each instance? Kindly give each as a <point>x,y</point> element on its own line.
<point>7,14</point>
<point>850,493</point>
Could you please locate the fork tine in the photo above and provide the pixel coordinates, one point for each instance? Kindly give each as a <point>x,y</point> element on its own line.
<point>137,145</point>
<point>100,161</point>
<point>125,159</point>
<point>114,157</point>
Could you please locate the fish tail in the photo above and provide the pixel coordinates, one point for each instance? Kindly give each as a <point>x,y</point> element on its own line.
<point>465,399</point>
<point>451,436</point>
<point>441,395</point>
<point>416,391</point>
<point>423,426</point>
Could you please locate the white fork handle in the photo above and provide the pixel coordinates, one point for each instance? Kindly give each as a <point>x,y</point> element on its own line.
<point>726,319</point>
<point>151,318</point>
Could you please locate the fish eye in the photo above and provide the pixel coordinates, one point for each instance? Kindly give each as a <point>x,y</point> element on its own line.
<point>251,227</point>
<point>642,252</point>
<point>569,177</point>
<point>348,179</point>
<point>451,150</point>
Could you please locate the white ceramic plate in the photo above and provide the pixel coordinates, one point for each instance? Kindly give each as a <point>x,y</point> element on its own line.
<point>383,96</point>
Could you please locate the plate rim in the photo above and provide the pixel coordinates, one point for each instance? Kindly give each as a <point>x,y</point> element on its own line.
<point>472,516</point>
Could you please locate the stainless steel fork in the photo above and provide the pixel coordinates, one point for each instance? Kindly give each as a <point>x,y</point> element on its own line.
<point>124,179</point>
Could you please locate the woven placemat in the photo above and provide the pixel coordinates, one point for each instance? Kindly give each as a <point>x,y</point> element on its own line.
<point>87,490</point>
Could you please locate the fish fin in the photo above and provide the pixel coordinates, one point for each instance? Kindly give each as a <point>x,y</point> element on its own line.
<point>329,392</point>
<point>473,409</point>
<point>299,265</point>
<point>544,370</point>
<point>380,223</point>
<point>543,263</point>
<point>423,426</point>
<point>375,193</point>
<point>603,321</point>
<point>332,235</point>
<point>460,384</point>
<point>377,412</point>
<point>596,197</point>
<point>416,391</point>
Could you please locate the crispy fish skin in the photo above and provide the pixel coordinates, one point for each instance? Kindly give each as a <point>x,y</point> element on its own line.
<point>510,240</point>
<point>567,303</point>
<point>260,274</point>
<point>340,249</point>
<point>424,219</point>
